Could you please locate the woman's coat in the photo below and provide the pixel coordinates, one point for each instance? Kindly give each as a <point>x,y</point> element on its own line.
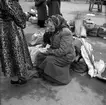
<point>57,63</point>
<point>53,7</point>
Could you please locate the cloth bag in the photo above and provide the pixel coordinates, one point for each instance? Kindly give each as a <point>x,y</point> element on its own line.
<point>96,68</point>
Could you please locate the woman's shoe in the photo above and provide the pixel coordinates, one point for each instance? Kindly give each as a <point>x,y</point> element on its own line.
<point>20,81</point>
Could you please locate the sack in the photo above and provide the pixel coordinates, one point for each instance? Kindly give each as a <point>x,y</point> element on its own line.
<point>78,24</point>
<point>37,38</point>
<point>102,31</point>
<point>93,32</point>
<point>83,31</point>
<point>33,20</point>
<point>34,51</point>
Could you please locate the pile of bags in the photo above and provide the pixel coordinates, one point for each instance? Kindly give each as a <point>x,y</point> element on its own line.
<point>33,19</point>
<point>83,26</point>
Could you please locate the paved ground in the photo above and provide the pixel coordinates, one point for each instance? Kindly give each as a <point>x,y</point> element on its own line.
<point>82,90</point>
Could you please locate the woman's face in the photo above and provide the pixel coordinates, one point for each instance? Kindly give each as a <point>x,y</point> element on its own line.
<point>50,27</point>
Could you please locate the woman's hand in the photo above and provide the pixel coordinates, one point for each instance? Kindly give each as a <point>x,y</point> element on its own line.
<point>43,50</point>
<point>49,51</point>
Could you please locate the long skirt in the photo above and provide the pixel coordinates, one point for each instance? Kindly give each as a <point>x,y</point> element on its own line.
<point>54,8</point>
<point>14,55</point>
<point>55,67</point>
<point>42,14</point>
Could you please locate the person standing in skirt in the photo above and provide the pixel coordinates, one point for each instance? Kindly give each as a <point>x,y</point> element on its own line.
<point>54,7</point>
<point>14,54</point>
<point>42,12</point>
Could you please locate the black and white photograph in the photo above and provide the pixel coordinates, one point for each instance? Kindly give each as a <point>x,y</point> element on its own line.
<point>52,52</point>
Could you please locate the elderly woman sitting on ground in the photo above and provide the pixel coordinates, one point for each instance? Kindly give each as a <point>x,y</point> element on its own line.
<point>54,62</point>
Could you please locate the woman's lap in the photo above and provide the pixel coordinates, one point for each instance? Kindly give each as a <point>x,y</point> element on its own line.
<point>56,68</point>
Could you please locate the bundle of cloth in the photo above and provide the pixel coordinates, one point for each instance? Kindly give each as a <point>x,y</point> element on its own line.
<point>32,14</point>
<point>40,42</point>
<point>84,26</point>
<point>95,68</point>
<point>93,29</point>
<point>77,26</point>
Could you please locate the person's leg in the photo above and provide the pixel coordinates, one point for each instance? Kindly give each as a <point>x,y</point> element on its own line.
<point>41,23</point>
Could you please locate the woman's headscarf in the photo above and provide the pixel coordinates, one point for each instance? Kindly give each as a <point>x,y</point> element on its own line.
<point>58,21</point>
